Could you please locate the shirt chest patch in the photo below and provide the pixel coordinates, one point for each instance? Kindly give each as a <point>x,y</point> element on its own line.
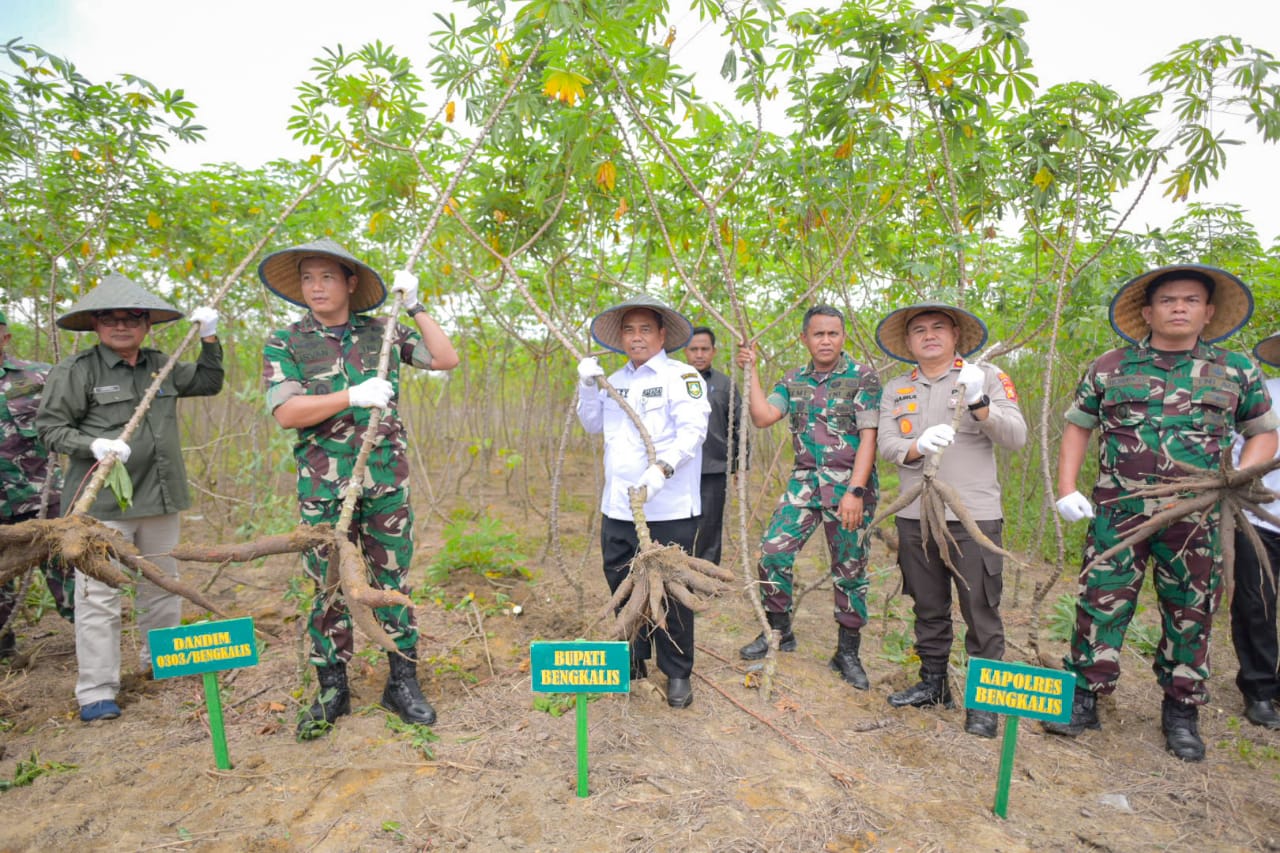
<point>651,392</point>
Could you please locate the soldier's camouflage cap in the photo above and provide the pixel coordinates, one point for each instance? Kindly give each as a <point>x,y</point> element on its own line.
<point>1232,301</point>
<point>1268,350</point>
<point>606,328</point>
<point>891,334</point>
<point>116,293</point>
<point>279,272</point>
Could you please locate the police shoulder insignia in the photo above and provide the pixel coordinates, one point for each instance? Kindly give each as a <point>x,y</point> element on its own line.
<point>1009,390</point>
<point>694,387</point>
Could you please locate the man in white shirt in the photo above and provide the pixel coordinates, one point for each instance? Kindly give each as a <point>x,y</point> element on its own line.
<point>671,401</point>
<point>1253,607</point>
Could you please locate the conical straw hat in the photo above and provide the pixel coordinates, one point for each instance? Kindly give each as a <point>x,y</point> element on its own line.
<point>116,293</point>
<point>1232,301</point>
<point>279,272</point>
<point>606,328</point>
<point>891,334</point>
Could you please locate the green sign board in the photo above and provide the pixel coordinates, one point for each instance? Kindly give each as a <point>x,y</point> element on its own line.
<point>203,647</point>
<point>580,667</point>
<point>1019,690</point>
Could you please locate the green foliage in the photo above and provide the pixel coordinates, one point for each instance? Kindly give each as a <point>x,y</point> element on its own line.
<point>559,704</point>
<point>1249,751</point>
<point>30,769</point>
<point>1062,619</point>
<point>899,646</point>
<point>420,737</point>
<point>481,545</point>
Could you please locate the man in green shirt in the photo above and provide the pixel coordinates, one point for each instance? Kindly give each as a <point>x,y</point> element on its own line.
<point>88,399</point>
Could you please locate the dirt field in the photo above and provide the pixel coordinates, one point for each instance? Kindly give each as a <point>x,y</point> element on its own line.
<point>821,767</point>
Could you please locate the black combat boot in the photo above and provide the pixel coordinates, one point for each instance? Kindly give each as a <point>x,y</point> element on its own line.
<point>980,723</point>
<point>402,693</point>
<point>932,689</point>
<point>333,701</point>
<point>1180,724</point>
<point>845,661</point>
<point>759,647</point>
<point>1084,715</point>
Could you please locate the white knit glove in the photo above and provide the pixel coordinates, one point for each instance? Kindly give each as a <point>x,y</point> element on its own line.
<point>653,479</point>
<point>101,447</point>
<point>935,438</point>
<point>973,379</point>
<point>371,393</point>
<point>1074,507</point>
<point>208,319</point>
<point>588,370</point>
<point>406,284</point>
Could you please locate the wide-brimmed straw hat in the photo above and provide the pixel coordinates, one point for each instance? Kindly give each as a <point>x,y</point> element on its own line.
<point>891,334</point>
<point>116,293</point>
<point>1232,301</point>
<point>279,272</point>
<point>1268,350</point>
<point>606,328</point>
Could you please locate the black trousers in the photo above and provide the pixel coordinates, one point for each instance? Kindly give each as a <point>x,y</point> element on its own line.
<point>706,544</point>
<point>1253,618</point>
<point>928,581</point>
<point>618,544</point>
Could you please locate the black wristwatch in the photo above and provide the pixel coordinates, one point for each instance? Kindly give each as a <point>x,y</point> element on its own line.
<point>667,470</point>
<point>858,491</point>
<point>415,309</point>
<point>983,402</point>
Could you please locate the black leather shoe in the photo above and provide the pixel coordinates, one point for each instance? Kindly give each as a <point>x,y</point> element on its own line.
<point>980,723</point>
<point>1180,724</point>
<point>679,693</point>
<point>1262,712</point>
<point>932,689</point>
<point>403,694</point>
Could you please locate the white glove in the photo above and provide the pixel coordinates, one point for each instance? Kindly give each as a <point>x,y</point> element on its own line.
<point>371,393</point>
<point>588,370</point>
<point>973,379</point>
<point>103,446</point>
<point>208,319</point>
<point>1074,507</point>
<point>406,283</point>
<point>935,438</point>
<point>653,479</point>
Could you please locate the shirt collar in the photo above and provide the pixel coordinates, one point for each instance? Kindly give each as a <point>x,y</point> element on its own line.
<point>653,364</point>
<point>309,323</point>
<point>841,366</point>
<point>1142,351</point>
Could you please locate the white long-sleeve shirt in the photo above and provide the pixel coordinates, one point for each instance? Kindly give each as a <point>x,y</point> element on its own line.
<point>1272,480</point>
<point>671,400</point>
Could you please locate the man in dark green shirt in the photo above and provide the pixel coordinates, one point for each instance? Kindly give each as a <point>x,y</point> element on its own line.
<point>88,399</point>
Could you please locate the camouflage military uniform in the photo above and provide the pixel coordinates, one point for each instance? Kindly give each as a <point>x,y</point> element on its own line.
<point>24,471</point>
<point>308,358</point>
<point>824,414</point>
<point>1156,410</point>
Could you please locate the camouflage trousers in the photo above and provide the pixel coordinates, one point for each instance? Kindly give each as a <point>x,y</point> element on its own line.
<point>797,515</point>
<point>1188,587</point>
<point>58,577</point>
<point>382,527</point>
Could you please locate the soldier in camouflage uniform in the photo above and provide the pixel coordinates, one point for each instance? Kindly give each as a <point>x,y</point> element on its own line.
<point>832,406</point>
<point>320,375</point>
<point>28,482</point>
<point>1170,399</point>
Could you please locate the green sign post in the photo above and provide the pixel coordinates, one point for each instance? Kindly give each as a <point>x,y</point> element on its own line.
<point>203,649</point>
<point>580,667</point>
<point>1017,690</point>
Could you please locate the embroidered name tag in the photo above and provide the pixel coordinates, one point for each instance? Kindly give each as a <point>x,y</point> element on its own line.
<point>106,389</point>
<point>651,392</point>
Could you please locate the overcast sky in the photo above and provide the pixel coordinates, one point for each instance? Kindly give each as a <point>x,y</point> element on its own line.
<point>241,61</point>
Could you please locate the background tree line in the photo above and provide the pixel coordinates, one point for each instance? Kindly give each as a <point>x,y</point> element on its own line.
<point>551,157</point>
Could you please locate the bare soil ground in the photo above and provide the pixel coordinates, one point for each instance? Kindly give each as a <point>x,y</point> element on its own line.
<point>820,767</point>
